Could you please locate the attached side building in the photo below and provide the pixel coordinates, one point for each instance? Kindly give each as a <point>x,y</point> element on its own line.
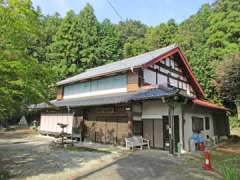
<point>154,95</point>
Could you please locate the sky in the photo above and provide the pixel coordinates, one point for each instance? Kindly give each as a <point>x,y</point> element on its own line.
<point>150,12</point>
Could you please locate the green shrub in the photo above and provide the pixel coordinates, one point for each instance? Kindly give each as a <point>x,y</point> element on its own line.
<point>4,175</point>
<point>234,122</point>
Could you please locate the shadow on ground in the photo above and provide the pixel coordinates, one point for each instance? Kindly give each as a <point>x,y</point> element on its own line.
<point>152,164</point>
<point>34,158</point>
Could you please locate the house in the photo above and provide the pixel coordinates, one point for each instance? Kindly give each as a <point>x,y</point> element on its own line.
<point>154,94</point>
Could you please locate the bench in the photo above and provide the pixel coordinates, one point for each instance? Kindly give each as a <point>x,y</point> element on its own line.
<point>136,141</point>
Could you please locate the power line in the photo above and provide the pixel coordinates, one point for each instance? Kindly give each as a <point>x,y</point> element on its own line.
<point>115,10</point>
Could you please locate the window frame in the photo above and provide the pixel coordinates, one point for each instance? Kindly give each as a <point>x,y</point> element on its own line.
<point>200,126</point>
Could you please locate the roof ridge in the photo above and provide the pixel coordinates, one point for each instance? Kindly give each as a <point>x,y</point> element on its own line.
<point>118,66</point>
<point>129,58</point>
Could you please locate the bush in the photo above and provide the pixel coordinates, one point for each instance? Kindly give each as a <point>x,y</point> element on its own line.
<point>234,122</point>
<point>4,175</point>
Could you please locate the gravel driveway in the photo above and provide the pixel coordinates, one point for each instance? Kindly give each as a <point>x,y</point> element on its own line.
<point>150,164</point>
<point>29,156</point>
<point>32,157</point>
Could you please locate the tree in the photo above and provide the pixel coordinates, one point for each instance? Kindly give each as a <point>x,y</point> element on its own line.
<point>130,30</point>
<point>77,44</point>
<point>89,33</point>
<point>110,42</point>
<point>223,31</point>
<point>227,79</point>
<point>135,48</point>
<point>132,33</point>
<point>161,36</point>
<point>47,29</point>
<point>22,80</point>
<point>63,50</point>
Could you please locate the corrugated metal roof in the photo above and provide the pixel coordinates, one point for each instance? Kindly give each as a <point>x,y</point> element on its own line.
<point>109,99</point>
<point>118,66</point>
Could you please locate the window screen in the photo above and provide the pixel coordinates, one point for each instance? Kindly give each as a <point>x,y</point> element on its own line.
<point>207,123</point>
<point>197,124</point>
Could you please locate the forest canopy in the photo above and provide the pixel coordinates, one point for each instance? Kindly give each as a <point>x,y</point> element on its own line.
<point>37,50</point>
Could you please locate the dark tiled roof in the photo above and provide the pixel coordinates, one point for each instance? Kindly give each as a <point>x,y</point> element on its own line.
<point>109,99</point>
<point>118,66</point>
<point>154,94</point>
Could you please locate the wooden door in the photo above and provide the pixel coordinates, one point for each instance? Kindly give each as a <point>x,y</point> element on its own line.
<point>166,140</point>
<point>148,130</point>
<point>158,133</point>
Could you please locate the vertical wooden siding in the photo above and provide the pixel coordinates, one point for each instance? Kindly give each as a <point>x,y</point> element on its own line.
<point>107,126</point>
<point>59,93</point>
<point>132,81</point>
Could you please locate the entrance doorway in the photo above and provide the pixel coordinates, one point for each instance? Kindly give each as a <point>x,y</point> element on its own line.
<point>166,136</point>
<point>153,130</point>
<point>157,131</point>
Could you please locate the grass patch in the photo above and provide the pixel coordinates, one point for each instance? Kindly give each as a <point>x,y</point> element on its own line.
<point>225,164</point>
<point>230,173</point>
<point>86,149</point>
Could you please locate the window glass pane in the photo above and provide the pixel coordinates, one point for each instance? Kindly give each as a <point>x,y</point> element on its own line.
<point>207,123</point>
<point>197,124</point>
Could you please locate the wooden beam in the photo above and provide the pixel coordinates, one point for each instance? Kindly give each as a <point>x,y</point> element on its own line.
<point>170,69</point>
<point>167,74</point>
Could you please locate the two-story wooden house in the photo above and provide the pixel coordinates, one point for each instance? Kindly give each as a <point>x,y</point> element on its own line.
<point>142,95</point>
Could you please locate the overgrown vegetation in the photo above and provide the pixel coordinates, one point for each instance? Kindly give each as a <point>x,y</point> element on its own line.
<point>224,163</point>
<point>227,164</point>
<point>230,173</point>
<point>234,122</point>
<point>38,50</point>
<point>4,175</point>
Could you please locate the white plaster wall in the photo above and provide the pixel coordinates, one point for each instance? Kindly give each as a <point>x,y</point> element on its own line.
<point>162,80</point>
<point>157,109</point>
<point>197,112</point>
<point>49,122</point>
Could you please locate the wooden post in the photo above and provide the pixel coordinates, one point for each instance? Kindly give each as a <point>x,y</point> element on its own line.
<point>171,125</point>
<point>130,121</point>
